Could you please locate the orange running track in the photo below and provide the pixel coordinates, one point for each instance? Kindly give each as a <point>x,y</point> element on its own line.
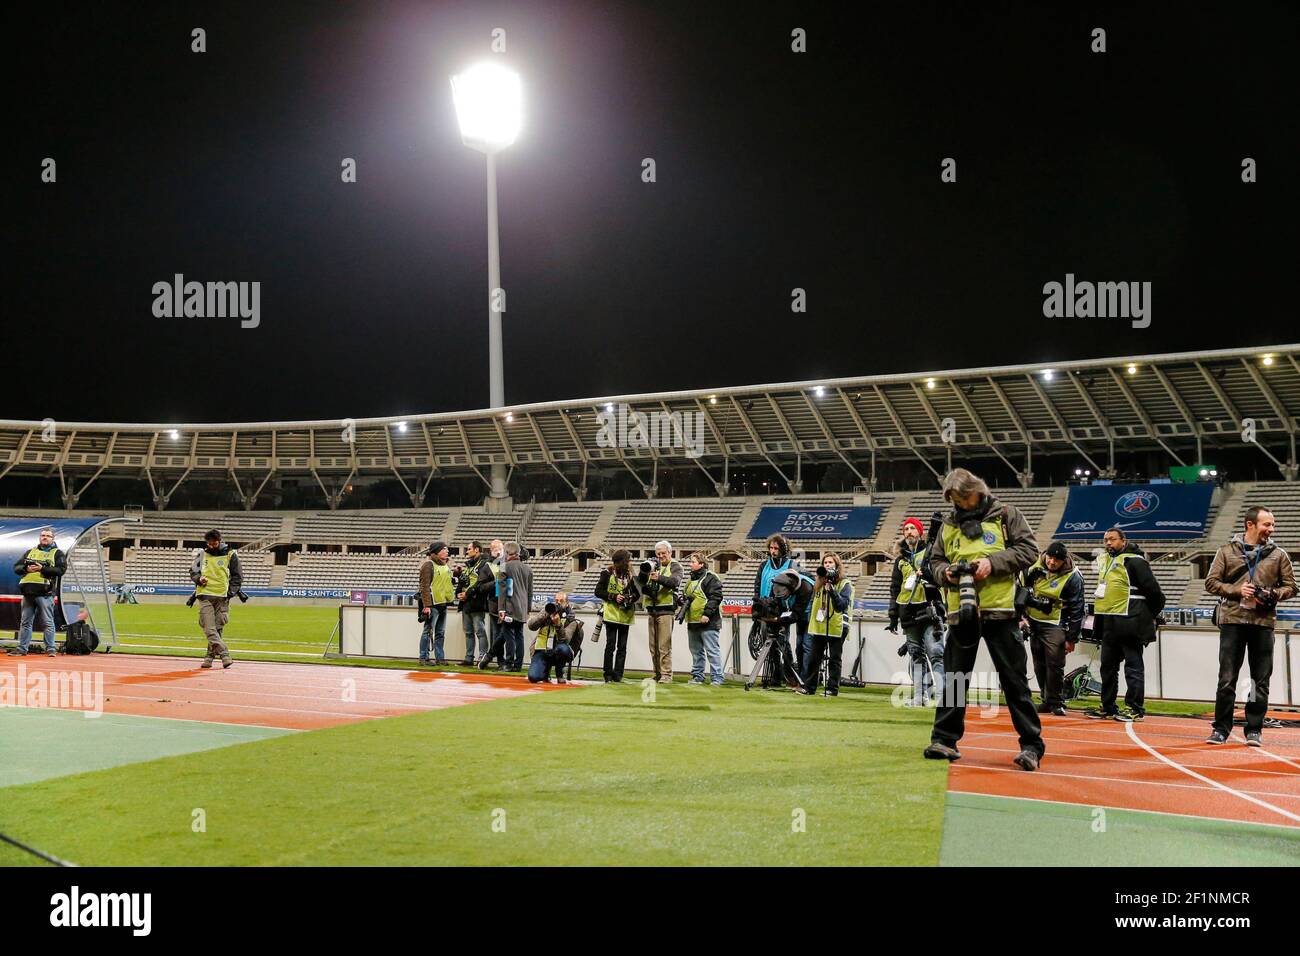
<point>267,694</point>
<point>1108,764</point>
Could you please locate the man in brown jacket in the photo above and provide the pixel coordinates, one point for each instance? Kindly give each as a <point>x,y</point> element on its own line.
<point>995,542</point>
<point>1249,575</point>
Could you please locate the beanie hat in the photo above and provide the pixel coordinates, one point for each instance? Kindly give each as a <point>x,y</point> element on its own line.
<point>1056,550</point>
<point>436,547</point>
<point>916,523</point>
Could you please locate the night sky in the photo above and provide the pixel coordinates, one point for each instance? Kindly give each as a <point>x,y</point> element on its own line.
<point>775,170</point>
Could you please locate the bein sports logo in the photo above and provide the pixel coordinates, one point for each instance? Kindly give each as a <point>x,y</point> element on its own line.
<point>1137,504</point>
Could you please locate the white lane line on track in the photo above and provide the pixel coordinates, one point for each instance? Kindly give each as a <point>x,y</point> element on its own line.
<point>1214,783</point>
<point>1083,776</point>
<point>116,690</point>
<point>1289,763</point>
<point>1058,755</point>
<point>1199,748</point>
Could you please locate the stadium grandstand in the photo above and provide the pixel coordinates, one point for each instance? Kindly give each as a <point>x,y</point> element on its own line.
<point>1181,410</point>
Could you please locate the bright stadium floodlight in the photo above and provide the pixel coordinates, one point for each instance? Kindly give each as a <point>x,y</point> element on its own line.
<point>1048,374</point>
<point>1268,360</point>
<point>929,383</point>
<point>489,106</point>
<point>489,102</point>
<point>401,426</point>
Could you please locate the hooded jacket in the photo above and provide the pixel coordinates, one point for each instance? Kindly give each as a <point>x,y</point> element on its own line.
<point>1273,570</point>
<point>1021,549</point>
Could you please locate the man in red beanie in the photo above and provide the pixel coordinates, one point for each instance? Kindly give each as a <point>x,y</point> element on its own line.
<point>910,598</point>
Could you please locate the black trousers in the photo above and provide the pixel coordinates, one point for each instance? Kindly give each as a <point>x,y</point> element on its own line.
<point>1236,641</point>
<point>615,649</point>
<point>823,646</point>
<point>1047,641</point>
<point>1002,637</point>
<point>1128,649</point>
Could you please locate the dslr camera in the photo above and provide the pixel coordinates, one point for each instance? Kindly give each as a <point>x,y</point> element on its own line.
<point>823,572</point>
<point>968,608</point>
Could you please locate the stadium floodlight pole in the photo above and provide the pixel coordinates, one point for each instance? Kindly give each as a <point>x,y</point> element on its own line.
<point>489,109</point>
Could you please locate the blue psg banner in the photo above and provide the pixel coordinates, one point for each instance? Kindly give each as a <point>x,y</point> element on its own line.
<point>1142,511</point>
<point>829,524</point>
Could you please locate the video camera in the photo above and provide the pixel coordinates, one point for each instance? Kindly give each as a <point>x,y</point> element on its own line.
<point>765,607</point>
<point>243,598</point>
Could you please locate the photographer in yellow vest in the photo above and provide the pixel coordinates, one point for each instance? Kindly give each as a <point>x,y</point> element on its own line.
<point>1054,610</point>
<point>39,571</point>
<point>1126,602</point>
<point>830,615</point>
<point>980,549</point>
<point>217,577</point>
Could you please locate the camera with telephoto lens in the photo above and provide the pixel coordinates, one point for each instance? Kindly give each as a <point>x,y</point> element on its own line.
<point>825,572</point>
<point>968,608</point>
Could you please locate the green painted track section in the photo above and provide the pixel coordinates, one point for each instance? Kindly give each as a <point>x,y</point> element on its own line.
<point>981,830</point>
<point>40,743</point>
<point>594,776</point>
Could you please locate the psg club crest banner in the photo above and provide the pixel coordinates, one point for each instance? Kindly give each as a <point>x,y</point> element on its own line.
<point>1142,511</point>
<point>828,524</point>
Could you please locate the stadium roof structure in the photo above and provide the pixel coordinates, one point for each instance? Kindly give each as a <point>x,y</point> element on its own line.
<point>1179,403</point>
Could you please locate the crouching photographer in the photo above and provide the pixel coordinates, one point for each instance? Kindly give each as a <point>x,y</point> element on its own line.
<point>1053,605</point>
<point>911,602</point>
<point>558,630</point>
<point>981,547</point>
<point>830,616</point>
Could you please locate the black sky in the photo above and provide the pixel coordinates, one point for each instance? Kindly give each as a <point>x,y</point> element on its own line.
<point>776,170</point>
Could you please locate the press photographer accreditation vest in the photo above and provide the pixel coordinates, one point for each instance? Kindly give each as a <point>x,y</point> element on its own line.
<point>38,556</point>
<point>997,592</point>
<point>442,586</point>
<point>665,596</point>
<point>216,568</point>
<point>834,622</point>
<point>911,568</point>
<point>1119,590</point>
<point>1049,586</point>
<point>696,599</point>
<point>613,612</point>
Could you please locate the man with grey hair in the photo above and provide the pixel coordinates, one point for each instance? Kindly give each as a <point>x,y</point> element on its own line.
<point>39,571</point>
<point>982,546</point>
<point>514,601</point>
<point>659,586</point>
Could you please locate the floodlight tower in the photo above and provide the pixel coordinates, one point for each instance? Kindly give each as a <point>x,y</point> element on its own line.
<point>489,109</point>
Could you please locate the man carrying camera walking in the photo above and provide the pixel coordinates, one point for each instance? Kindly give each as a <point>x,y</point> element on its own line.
<point>40,569</point>
<point>1249,575</point>
<point>980,548</point>
<point>1054,609</point>
<point>1126,603</point>
<point>217,577</point>
<point>658,583</point>
<point>911,602</point>
<point>556,625</point>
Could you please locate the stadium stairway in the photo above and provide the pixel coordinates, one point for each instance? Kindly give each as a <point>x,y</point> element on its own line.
<point>740,534</point>
<point>600,529</point>
<point>1051,519</point>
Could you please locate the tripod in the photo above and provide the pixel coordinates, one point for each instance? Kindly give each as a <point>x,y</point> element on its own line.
<point>773,660</point>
